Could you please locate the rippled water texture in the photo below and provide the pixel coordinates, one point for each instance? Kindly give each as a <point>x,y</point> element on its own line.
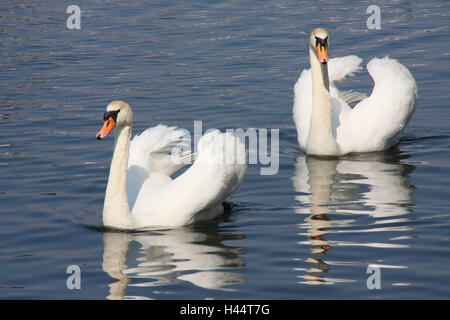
<point>313,230</point>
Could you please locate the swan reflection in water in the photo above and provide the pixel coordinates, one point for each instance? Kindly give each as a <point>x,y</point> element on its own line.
<point>164,257</point>
<point>331,192</point>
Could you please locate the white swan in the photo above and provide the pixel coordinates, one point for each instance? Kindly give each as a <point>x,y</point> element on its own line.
<point>140,172</point>
<point>327,125</point>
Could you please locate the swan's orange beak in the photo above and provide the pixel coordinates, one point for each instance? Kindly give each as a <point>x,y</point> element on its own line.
<point>322,53</point>
<point>106,129</point>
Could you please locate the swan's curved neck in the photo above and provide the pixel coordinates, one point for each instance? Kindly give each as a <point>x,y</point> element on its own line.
<point>321,140</point>
<point>116,212</point>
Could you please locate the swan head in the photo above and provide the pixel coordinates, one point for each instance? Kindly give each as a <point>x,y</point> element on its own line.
<point>319,44</point>
<point>117,114</point>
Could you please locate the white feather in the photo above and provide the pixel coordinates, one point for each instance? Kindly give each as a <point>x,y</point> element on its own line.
<point>141,192</point>
<point>375,123</point>
<point>199,192</point>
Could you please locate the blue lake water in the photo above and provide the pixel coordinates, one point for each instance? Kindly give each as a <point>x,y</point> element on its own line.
<point>309,232</point>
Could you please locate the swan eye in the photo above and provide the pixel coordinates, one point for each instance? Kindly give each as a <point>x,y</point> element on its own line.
<point>111,114</point>
<point>322,42</point>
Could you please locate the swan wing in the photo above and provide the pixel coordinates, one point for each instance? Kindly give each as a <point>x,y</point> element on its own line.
<point>152,149</point>
<point>199,192</point>
<point>151,152</point>
<point>351,96</point>
<point>338,70</point>
<point>375,123</point>
<point>341,67</point>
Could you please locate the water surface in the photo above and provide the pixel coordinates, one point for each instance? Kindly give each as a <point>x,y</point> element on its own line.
<point>310,231</point>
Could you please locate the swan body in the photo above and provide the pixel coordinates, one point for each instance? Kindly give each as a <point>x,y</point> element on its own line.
<point>327,125</point>
<point>140,191</point>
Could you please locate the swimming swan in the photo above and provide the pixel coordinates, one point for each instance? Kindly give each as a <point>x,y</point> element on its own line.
<point>139,176</point>
<point>327,125</point>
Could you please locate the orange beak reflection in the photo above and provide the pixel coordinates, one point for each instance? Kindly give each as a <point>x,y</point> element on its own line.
<point>106,129</point>
<point>322,53</point>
